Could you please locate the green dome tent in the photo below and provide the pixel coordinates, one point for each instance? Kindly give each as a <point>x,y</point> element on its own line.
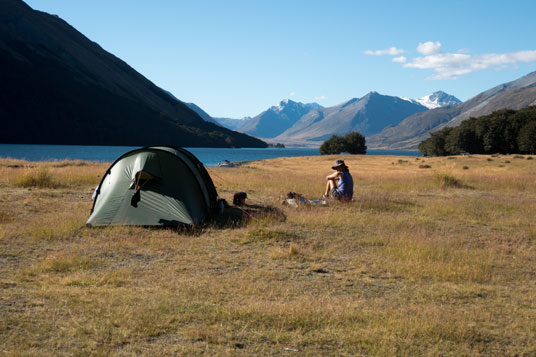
<point>154,186</point>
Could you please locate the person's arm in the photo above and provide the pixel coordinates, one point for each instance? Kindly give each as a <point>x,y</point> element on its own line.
<point>333,176</point>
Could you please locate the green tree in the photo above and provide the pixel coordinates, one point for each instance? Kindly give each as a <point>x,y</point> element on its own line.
<point>334,145</point>
<point>435,144</point>
<point>355,143</point>
<point>526,140</point>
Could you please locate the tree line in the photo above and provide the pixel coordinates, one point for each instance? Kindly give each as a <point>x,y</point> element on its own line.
<point>504,131</point>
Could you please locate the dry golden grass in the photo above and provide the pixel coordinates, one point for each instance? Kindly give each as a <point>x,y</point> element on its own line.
<point>425,261</point>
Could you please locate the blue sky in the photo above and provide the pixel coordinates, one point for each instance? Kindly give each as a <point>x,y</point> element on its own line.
<point>237,58</point>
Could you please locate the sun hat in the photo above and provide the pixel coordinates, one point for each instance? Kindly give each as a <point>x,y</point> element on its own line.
<point>339,163</point>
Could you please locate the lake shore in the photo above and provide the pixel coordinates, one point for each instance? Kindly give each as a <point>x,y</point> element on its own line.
<point>434,256</point>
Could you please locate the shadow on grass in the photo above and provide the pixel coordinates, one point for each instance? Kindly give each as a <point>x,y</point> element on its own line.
<point>232,217</point>
<point>235,217</point>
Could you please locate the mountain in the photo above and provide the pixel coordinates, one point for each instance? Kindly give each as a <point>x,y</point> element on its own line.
<point>438,99</point>
<point>204,115</point>
<point>411,131</point>
<point>233,124</point>
<point>58,87</point>
<point>277,119</point>
<point>367,115</point>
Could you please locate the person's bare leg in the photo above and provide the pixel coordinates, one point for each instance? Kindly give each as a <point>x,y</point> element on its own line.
<point>329,186</point>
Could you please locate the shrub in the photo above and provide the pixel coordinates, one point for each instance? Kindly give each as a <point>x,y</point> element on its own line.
<point>40,178</point>
<point>426,166</point>
<point>465,168</point>
<point>447,181</point>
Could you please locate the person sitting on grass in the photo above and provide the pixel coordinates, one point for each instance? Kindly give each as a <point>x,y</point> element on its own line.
<point>340,185</point>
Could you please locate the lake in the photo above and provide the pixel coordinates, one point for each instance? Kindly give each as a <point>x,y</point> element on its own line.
<point>208,156</point>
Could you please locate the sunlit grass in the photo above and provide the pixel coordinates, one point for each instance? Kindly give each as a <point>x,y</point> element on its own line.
<point>436,261</point>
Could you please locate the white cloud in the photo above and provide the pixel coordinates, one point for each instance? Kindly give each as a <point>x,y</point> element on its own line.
<point>429,48</point>
<point>292,94</point>
<point>321,97</point>
<point>393,51</point>
<point>453,65</point>
<point>400,59</point>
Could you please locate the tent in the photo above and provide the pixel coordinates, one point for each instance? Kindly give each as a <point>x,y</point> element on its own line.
<point>154,186</point>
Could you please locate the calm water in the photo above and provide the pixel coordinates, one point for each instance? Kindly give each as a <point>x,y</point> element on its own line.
<point>208,156</point>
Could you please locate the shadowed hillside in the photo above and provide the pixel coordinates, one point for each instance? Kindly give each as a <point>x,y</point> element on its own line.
<point>58,87</point>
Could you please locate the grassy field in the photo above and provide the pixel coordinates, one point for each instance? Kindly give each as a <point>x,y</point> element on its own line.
<point>435,256</point>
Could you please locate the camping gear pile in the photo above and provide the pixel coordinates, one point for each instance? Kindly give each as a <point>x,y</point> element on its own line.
<point>296,199</point>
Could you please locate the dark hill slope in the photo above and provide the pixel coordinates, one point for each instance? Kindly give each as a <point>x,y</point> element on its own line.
<point>58,87</point>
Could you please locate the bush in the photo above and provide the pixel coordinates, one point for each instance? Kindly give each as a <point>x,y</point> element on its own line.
<point>447,181</point>
<point>37,178</point>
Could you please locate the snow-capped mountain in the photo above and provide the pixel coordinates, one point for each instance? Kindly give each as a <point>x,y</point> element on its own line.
<point>517,94</point>
<point>438,99</point>
<point>367,115</point>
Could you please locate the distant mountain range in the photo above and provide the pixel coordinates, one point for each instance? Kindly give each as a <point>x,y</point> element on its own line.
<point>58,87</point>
<point>309,124</point>
<point>367,115</point>
<point>277,119</point>
<point>233,124</point>
<point>411,131</point>
<point>387,122</point>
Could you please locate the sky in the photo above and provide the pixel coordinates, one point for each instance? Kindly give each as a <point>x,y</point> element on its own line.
<point>238,58</point>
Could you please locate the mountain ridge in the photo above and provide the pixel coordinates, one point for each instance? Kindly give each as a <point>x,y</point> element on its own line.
<point>62,88</point>
<point>368,114</point>
<point>277,119</point>
<point>515,94</point>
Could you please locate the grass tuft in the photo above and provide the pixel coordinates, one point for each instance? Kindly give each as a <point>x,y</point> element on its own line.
<point>445,181</point>
<point>269,235</point>
<point>39,178</point>
<point>65,264</point>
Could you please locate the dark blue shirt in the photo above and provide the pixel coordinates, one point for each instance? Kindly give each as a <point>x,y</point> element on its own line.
<point>345,185</point>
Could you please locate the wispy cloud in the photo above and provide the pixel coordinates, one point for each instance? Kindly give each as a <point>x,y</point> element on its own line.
<point>321,97</point>
<point>292,94</point>
<point>453,65</point>
<point>400,59</point>
<point>393,51</point>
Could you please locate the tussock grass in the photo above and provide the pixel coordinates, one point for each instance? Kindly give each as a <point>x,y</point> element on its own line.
<point>414,265</point>
<point>39,178</point>
<point>445,181</point>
